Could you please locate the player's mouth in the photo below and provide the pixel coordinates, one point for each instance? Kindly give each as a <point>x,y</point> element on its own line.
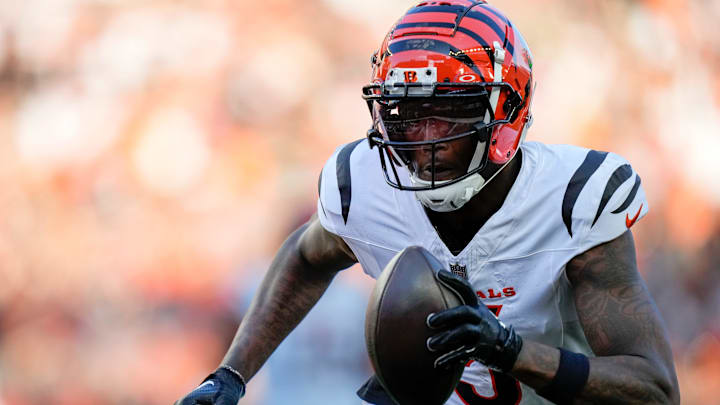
<point>442,172</point>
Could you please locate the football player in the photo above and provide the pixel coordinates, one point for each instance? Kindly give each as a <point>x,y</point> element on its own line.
<point>540,234</point>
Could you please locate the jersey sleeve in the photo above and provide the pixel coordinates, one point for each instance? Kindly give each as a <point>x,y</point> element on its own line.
<point>337,187</point>
<point>615,201</point>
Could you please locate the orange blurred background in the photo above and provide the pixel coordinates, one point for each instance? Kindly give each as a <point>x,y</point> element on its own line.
<point>154,154</point>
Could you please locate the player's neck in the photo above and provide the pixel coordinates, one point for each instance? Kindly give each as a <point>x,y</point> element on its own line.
<point>457,228</point>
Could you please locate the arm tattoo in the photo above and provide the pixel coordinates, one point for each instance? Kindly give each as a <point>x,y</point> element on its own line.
<point>623,327</point>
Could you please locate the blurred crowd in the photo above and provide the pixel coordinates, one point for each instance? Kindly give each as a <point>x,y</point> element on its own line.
<point>154,154</point>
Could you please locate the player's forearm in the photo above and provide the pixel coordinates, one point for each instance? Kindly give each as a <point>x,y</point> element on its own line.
<point>622,379</point>
<point>290,289</point>
<point>536,364</point>
<point>627,380</point>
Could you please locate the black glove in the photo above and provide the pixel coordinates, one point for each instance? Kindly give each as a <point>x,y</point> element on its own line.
<point>471,331</point>
<point>223,387</point>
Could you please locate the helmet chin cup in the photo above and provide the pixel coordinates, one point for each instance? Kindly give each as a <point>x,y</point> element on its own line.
<point>450,197</point>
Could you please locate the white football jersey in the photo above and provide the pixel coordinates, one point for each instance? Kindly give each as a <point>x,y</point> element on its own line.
<point>565,200</point>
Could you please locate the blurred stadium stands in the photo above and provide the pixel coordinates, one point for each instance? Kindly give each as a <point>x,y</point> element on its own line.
<point>153,152</point>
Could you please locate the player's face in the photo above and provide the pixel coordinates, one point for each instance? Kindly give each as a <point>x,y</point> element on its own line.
<point>433,136</point>
<point>451,158</point>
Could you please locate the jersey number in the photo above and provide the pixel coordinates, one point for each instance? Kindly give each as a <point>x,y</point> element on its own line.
<point>506,389</point>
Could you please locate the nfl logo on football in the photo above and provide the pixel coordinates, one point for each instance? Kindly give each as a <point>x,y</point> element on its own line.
<point>458,270</point>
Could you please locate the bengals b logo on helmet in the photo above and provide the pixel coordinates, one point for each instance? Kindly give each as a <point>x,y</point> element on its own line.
<point>410,77</point>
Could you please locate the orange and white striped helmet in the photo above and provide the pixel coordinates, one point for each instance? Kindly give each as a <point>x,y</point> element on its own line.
<point>449,75</point>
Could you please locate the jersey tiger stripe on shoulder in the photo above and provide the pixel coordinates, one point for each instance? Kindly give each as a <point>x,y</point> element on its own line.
<point>619,176</point>
<point>344,177</point>
<point>589,166</point>
<point>592,162</point>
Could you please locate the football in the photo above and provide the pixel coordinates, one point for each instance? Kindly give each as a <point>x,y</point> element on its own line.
<point>396,332</point>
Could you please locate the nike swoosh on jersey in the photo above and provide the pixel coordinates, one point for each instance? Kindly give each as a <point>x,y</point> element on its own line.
<point>630,222</point>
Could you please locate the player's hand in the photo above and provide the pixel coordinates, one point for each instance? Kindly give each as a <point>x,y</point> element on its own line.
<point>471,331</point>
<point>223,387</point>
